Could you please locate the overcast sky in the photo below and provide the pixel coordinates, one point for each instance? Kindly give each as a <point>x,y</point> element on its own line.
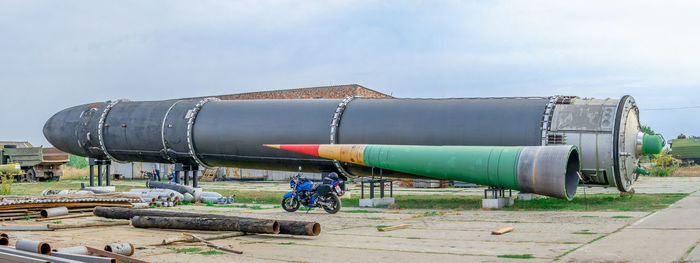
<point>57,54</point>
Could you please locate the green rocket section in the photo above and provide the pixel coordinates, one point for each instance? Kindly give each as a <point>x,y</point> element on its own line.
<point>496,166</point>
<point>546,170</point>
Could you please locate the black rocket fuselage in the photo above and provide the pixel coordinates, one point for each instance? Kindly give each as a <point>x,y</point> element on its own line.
<point>211,133</point>
<point>231,133</point>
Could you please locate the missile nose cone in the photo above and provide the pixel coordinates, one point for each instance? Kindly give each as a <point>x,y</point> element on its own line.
<point>63,131</point>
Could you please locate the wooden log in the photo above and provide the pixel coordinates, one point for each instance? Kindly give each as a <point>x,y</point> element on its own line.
<point>248,225</point>
<point>103,253</point>
<point>191,239</point>
<point>65,217</point>
<point>393,227</point>
<point>212,245</point>
<point>299,228</point>
<point>286,226</point>
<point>502,231</point>
<point>89,224</point>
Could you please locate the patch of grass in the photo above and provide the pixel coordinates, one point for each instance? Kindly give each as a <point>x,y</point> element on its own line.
<point>413,238</point>
<point>360,211</point>
<point>27,217</point>
<point>585,232</point>
<point>596,202</point>
<point>254,207</point>
<point>288,243</point>
<point>621,217</point>
<point>185,203</point>
<point>209,203</point>
<point>601,202</point>
<point>375,218</point>
<point>431,213</point>
<point>523,256</point>
<point>211,252</point>
<point>185,250</point>
<point>380,226</point>
<point>56,222</point>
<point>589,216</point>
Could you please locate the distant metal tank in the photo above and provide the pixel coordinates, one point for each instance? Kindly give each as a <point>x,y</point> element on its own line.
<point>209,132</point>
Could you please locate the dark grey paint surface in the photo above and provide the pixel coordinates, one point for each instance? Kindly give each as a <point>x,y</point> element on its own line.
<point>231,133</point>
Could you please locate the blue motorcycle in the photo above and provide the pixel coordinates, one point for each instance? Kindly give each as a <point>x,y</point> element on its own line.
<point>306,193</point>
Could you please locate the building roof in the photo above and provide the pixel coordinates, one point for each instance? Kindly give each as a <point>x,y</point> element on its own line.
<point>324,92</point>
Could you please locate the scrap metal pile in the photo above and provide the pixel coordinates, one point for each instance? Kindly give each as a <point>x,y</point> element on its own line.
<point>23,207</point>
<point>26,250</point>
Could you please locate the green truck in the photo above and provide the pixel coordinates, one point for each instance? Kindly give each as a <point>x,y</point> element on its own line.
<point>37,163</point>
<point>687,150</point>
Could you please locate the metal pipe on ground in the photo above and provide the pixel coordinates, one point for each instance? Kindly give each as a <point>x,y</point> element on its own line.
<point>54,211</point>
<point>178,188</point>
<point>4,239</point>
<point>33,246</point>
<point>79,250</point>
<point>52,259</point>
<point>248,225</point>
<point>84,258</point>
<point>126,249</point>
<point>15,258</point>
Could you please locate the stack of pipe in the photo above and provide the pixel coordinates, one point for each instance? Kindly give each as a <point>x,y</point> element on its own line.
<point>215,198</point>
<point>158,197</point>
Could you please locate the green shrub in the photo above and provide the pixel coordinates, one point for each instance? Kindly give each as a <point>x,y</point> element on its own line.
<point>661,171</point>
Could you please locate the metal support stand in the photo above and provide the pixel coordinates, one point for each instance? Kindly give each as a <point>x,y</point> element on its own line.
<point>99,173</point>
<point>195,174</point>
<point>108,176</point>
<point>382,188</point>
<point>186,173</point>
<point>178,173</point>
<point>497,192</point>
<point>91,163</point>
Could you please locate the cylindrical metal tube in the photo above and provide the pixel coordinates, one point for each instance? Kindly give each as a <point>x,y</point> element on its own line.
<point>126,249</point>
<point>546,170</point>
<point>33,246</point>
<point>79,250</point>
<point>4,239</point>
<point>54,211</point>
<point>230,133</point>
<point>176,187</point>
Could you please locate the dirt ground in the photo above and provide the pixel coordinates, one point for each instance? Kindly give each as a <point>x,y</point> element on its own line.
<point>445,236</point>
<point>351,235</point>
<point>688,171</point>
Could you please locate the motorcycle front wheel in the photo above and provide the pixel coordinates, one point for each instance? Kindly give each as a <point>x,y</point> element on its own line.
<point>334,205</point>
<point>290,204</point>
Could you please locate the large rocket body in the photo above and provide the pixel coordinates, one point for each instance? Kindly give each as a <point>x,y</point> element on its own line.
<point>231,133</point>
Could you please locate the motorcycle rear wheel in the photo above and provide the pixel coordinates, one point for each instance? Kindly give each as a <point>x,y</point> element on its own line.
<point>290,204</point>
<point>335,203</point>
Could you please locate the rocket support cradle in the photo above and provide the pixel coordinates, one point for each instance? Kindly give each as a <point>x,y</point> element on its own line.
<point>210,132</point>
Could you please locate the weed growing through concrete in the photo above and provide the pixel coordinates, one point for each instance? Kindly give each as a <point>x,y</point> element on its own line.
<point>185,250</point>
<point>211,252</point>
<point>361,211</point>
<point>375,218</point>
<point>621,217</point>
<point>56,222</point>
<point>288,243</point>
<point>516,256</point>
<point>585,232</point>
